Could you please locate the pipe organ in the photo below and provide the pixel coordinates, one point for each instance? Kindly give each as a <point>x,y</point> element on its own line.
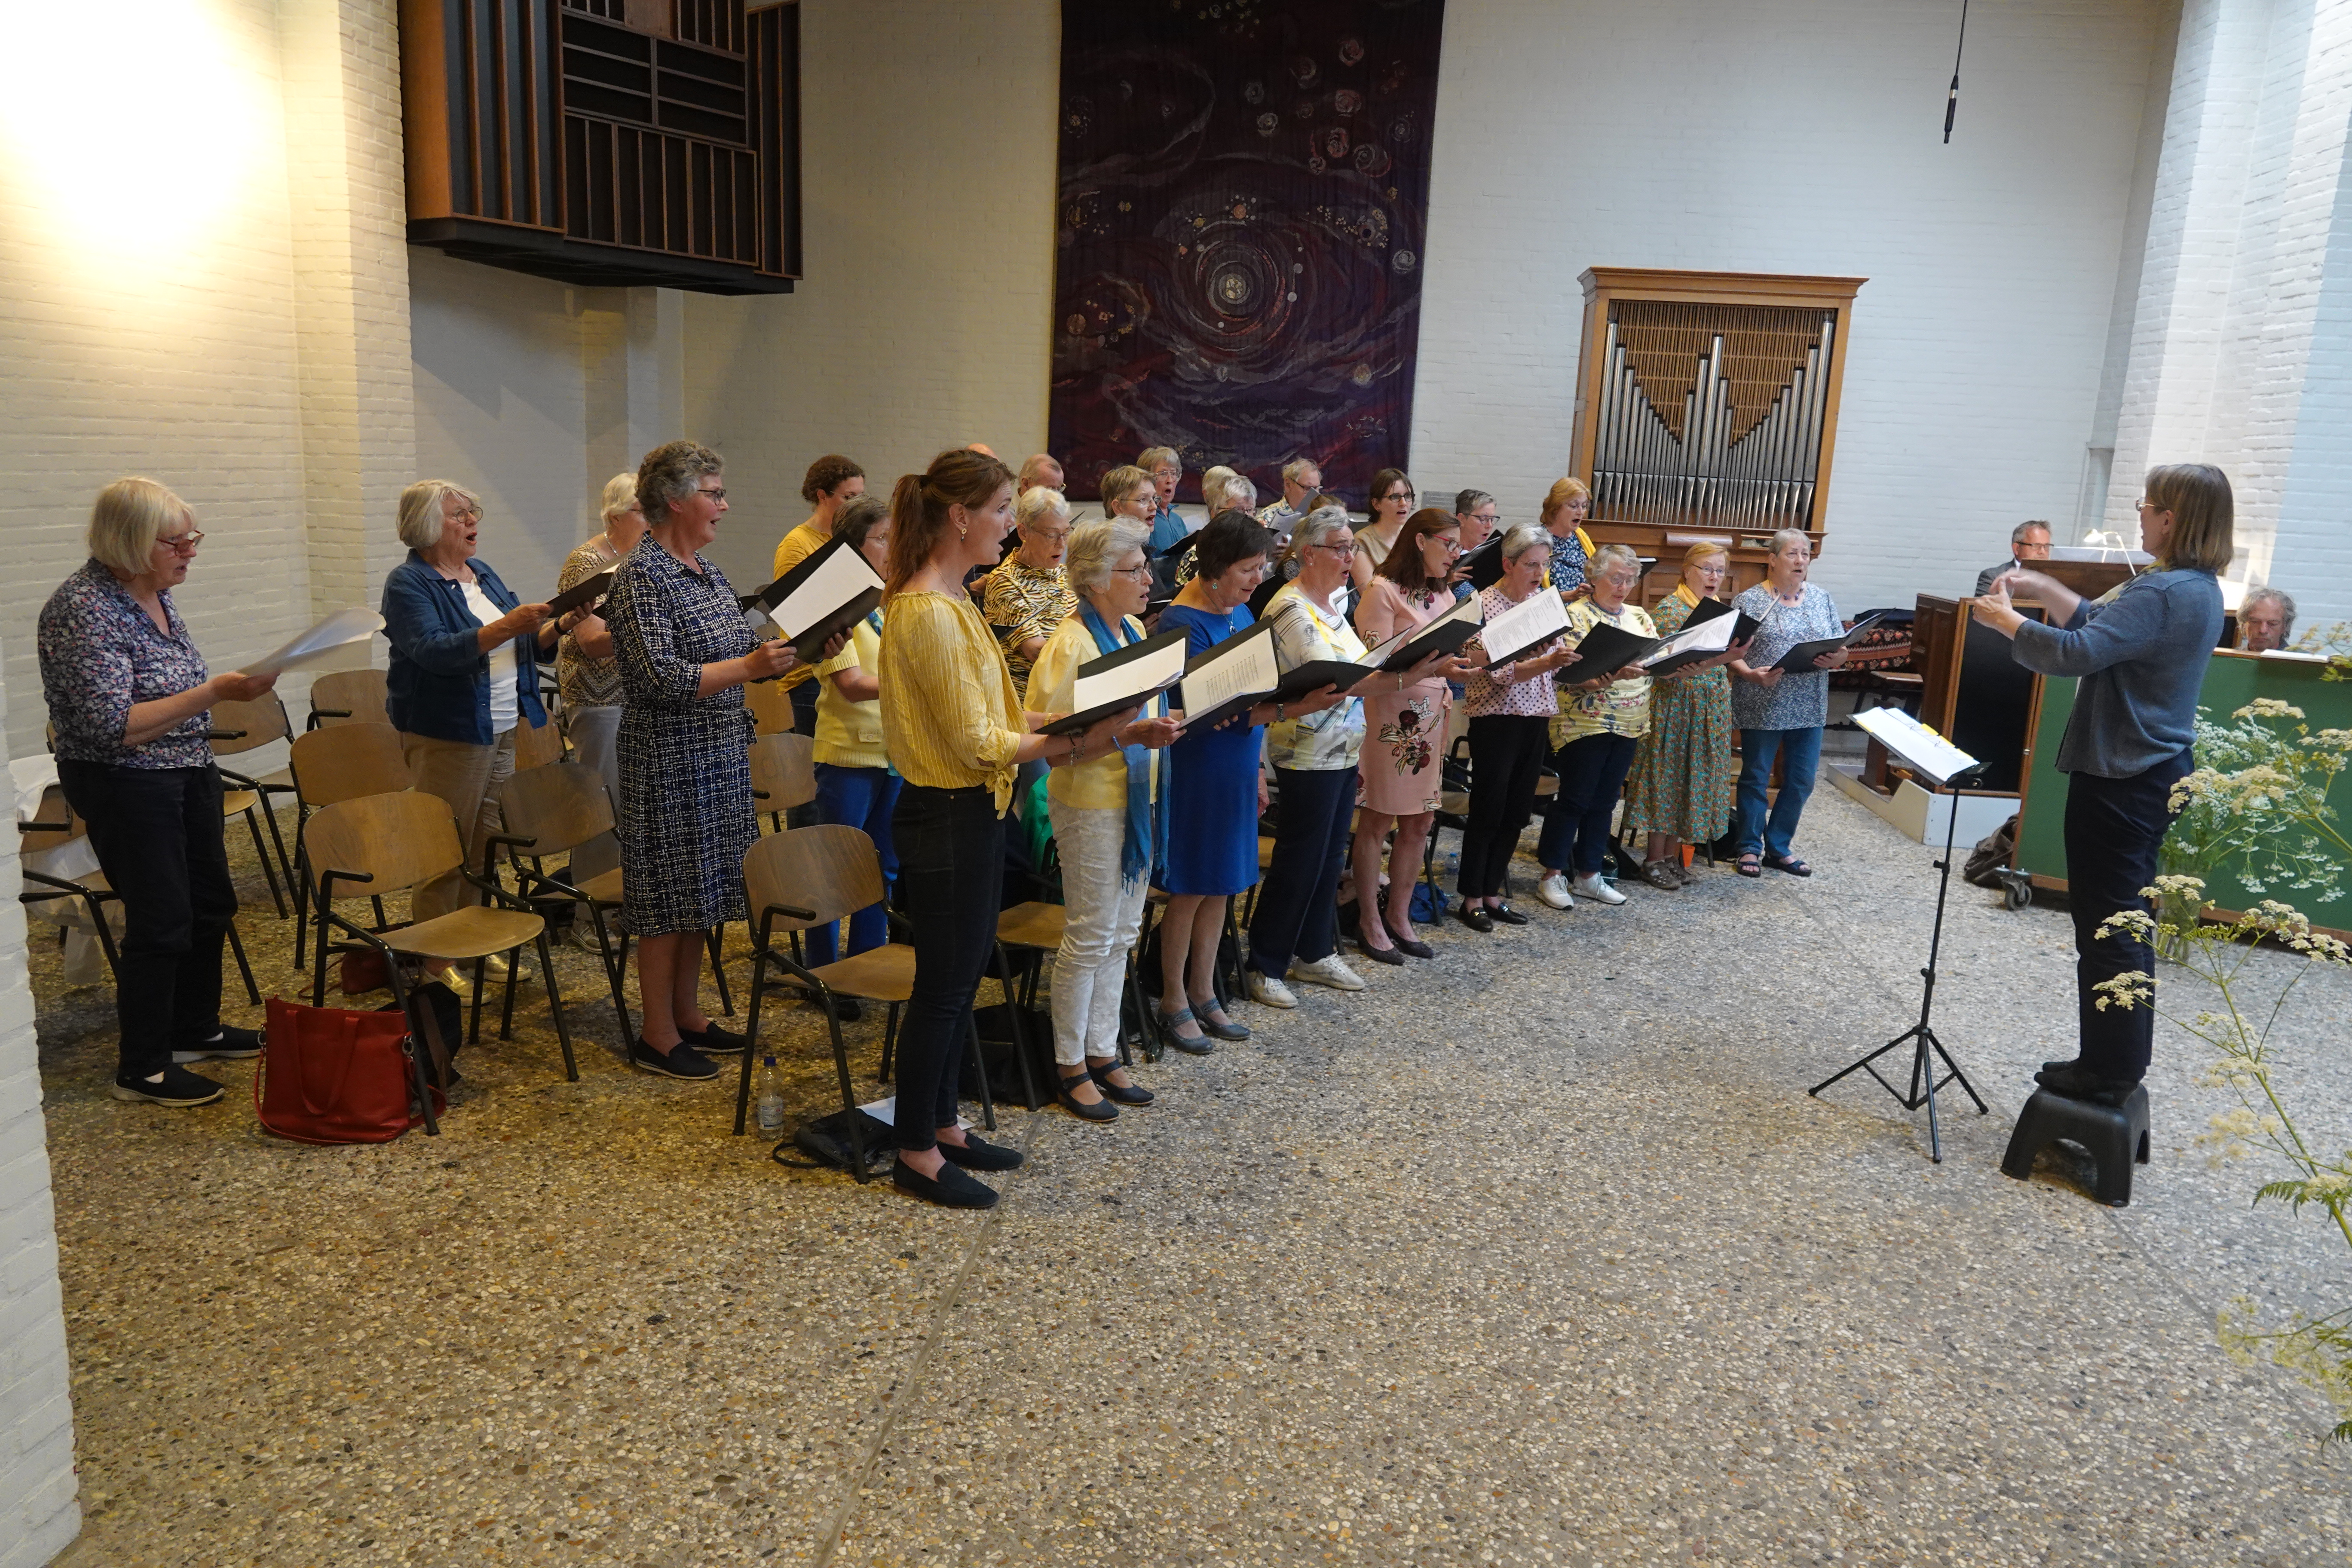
<point>1707,408</point>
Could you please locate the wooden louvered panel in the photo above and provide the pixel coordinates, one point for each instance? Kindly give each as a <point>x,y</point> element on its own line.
<point>652,190</point>
<point>1765,345</point>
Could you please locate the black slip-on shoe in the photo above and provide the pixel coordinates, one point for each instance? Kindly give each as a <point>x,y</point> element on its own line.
<point>1381,954</point>
<point>715,1041</point>
<point>682,1061</point>
<point>174,1086</point>
<point>950,1189</point>
<point>1127,1093</point>
<point>977,1154</point>
<point>1100,1111</point>
<point>1478,920</point>
<point>2074,1081</point>
<point>228,1045</point>
<point>1505,916</point>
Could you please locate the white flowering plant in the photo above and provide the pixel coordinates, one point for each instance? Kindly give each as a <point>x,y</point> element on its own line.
<point>2258,804</point>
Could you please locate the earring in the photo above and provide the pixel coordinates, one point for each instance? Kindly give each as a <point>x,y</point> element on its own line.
<point>962,529</point>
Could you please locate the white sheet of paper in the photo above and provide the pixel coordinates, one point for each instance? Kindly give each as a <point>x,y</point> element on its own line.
<point>1133,679</point>
<point>1709,635</point>
<point>1238,673</point>
<point>842,578</point>
<point>1538,615</point>
<point>1464,610</point>
<point>338,631</point>
<point>1914,743</point>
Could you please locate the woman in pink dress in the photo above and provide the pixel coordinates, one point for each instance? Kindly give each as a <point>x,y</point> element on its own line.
<point>1405,732</point>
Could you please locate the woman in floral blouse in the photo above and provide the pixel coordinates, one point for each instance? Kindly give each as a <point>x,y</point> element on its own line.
<point>131,700</point>
<point>1596,731</point>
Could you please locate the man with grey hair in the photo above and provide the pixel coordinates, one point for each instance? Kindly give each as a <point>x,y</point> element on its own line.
<point>1301,477</point>
<point>2265,620</point>
<point>2029,541</point>
<point>1041,472</point>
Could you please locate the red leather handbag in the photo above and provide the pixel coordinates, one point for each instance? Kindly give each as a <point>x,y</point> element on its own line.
<point>329,1074</point>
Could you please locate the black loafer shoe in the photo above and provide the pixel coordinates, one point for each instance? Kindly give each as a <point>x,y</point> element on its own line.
<point>1479,919</point>
<point>1165,1024</point>
<point>950,1189</point>
<point>683,1060</point>
<point>715,1041</point>
<point>1100,1111</point>
<point>2049,1068</point>
<point>176,1086</point>
<point>976,1154</point>
<point>1125,1093</point>
<point>1505,915</point>
<point>227,1045</point>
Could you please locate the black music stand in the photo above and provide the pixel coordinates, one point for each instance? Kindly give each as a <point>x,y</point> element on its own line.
<point>1921,1037</point>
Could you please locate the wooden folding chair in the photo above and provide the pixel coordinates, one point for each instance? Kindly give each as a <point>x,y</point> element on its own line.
<point>770,706</point>
<point>348,696</point>
<point>239,728</point>
<point>808,876</point>
<point>341,761</point>
<point>392,843</point>
<point>783,774</point>
<point>536,745</point>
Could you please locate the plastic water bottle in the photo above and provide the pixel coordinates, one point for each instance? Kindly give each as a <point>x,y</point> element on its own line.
<point>768,1098</point>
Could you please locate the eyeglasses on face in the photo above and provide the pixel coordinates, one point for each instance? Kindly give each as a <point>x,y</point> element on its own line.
<point>1138,573</point>
<point>180,543</point>
<point>467,512</point>
<point>1167,473</point>
<point>1344,551</point>
<point>1399,495</point>
<point>709,493</point>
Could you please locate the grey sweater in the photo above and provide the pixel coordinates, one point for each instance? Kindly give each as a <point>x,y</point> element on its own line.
<point>2142,656</point>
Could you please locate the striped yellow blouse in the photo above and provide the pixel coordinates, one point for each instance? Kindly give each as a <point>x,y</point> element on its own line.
<point>950,718</point>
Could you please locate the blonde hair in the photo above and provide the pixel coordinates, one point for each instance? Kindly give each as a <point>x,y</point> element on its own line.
<point>620,495</point>
<point>1703,549</point>
<point>420,510</point>
<point>129,515</point>
<point>1563,491</point>
<point>1120,483</point>
<point>2203,537</point>
<point>1152,456</point>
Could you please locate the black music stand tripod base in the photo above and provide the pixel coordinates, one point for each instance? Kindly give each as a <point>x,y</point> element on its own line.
<point>1927,1050</point>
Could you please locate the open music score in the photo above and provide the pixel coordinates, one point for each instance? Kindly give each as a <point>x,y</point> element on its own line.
<point>1525,626</point>
<point>1238,673</point>
<point>822,597</point>
<point>1119,681</point>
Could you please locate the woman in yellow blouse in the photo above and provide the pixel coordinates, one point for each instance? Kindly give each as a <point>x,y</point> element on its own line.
<point>1601,723</point>
<point>955,731</point>
<point>855,786</point>
<point>1106,821</point>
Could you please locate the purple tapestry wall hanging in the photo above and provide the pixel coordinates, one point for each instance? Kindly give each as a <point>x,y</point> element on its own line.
<point>1244,192</point>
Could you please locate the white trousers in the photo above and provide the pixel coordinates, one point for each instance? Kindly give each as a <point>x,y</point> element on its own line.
<point>1101,921</point>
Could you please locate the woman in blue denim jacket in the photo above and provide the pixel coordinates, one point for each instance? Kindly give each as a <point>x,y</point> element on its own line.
<point>464,671</point>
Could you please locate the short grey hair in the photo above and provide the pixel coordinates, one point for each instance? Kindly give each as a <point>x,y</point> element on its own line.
<point>1617,554</point>
<point>1522,537</point>
<point>620,495</point>
<point>1318,526</point>
<point>1151,458</point>
<point>2017,536</point>
<point>1035,502</point>
<point>1467,501</point>
<point>1295,470</point>
<point>1213,486</point>
<point>1120,483</point>
<point>670,473</point>
<point>1240,494</point>
<point>1096,546</point>
<point>857,517</point>
<point>1784,537</point>
<point>420,510</point>
<point>2273,595</point>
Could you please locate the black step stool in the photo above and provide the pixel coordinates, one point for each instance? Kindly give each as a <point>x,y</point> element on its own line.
<point>2117,1139</point>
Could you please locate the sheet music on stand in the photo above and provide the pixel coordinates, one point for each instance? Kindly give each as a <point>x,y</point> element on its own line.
<point>1919,747</point>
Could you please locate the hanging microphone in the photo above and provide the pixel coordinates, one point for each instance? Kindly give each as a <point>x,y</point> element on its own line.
<point>1952,100</point>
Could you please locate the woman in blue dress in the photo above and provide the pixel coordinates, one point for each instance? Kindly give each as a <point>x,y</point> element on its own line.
<point>1215,791</point>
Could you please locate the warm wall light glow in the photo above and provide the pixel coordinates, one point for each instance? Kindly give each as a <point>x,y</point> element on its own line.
<point>134,124</point>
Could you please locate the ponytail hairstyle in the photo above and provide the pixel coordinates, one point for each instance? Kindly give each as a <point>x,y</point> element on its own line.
<point>919,504</point>
<point>1403,566</point>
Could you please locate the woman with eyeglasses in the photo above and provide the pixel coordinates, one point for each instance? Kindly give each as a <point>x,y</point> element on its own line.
<point>1028,593</point>
<point>1475,512</point>
<point>130,698</point>
<point>1780,713</point>
<point>1391,501</point>
<point>1398,776</point>
<point>464,673</point>
<point>1600,721</point>
<point>1680,789</point>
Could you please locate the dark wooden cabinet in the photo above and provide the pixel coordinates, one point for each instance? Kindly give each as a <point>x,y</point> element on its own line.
<point>607,143</point>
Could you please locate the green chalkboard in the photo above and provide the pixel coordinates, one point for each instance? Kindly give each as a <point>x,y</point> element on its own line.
<point>2231,680</point>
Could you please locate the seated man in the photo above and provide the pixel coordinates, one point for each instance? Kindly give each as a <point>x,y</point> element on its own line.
<point>1301,477</point>
<point>2027,542</point>
<point>1039,472</point>
<point>2265,620</point>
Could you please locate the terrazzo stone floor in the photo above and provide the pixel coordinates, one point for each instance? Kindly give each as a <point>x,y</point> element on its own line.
<point>1535,1253</point>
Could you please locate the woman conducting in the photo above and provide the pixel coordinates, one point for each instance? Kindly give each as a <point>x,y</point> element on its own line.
<point>686,764</point>
<point>1107,820</point>
<point>956,734</point>
<point>1215,793</point>
<point>1680,789</point>
<point>130,697</point>
<point>585,672</point>
<point>464,672</point>
<point>2141,655</point>
<point>855,786</point>
<point>1511,707</point>
<point>1598,726</point>
<point>1398,777</point>
<point>1780,713</point>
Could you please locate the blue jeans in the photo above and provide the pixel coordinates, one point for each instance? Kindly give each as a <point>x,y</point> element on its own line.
<point>1801,750</point>
<point>860,798</point>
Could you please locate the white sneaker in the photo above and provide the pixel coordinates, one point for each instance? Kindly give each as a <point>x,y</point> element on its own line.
<point>583,935</point>
<point>1553,890</point>
<point>1328,971</point>
<point>1593,887</point>
<point>1267,993</point>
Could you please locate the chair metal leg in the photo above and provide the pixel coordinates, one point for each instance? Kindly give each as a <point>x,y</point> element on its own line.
<point>474,1032</point>
<point>848,1096</point>
<point>980,1065</point>
<point>889,1044</point>
<point>252,991</point>
<point>270,814</point>
<point>555,1008</point>
<point>261,853</point>
<point>506,1012</point>
<point>751,1033</point>
<point>318,953</point>
<point>612,976</point>
<point>712,940</point>
<point>1016,1025</point>
<point>302,899</point>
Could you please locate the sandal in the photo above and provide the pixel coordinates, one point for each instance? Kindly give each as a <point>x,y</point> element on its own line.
<point>1100,1111</point>
<point>1789,864</point>
<point>1167,1022</point>
<point>1751,864</point>
<point>1658,874</point>
<point>1212,1017</point>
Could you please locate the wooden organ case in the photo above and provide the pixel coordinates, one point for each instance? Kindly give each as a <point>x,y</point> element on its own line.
<point>1707,408</point>
<point>607,143</point>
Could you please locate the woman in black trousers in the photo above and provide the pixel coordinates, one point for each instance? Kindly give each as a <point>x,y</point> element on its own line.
<point>2141,655</point>
<point>956,733</point>
<point>130,699</point>
<point>1511,707</point>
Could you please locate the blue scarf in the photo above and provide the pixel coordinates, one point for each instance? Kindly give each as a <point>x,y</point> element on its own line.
<point>1144,834</point>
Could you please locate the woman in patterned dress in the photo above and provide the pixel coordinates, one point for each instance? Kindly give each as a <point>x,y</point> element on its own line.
<point>1680,789</point>
<point>684,653</point>
<point>1397,778</point>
